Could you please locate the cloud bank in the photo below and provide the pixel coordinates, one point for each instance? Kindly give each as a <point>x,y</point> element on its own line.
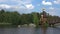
<point>18,5</point>
<point>57,1</point>
<point>46,3</point>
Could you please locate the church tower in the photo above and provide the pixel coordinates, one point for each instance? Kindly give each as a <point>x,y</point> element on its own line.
<point>43,18</point>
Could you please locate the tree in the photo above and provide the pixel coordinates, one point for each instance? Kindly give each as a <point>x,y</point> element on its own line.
<point>35,19</point>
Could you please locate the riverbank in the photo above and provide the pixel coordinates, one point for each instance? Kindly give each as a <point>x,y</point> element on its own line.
<point>24,25</point>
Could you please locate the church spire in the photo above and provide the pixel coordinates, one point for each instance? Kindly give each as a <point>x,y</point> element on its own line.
<point>43,13</point>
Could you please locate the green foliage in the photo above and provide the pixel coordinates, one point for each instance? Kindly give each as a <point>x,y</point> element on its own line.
<point>46,24</point>
<point>35,19</point>
<point>15,18</point>
<point>9,17</point>
<point>26,18</point>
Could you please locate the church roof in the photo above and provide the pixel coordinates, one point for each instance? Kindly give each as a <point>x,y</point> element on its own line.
<point>44,14</point>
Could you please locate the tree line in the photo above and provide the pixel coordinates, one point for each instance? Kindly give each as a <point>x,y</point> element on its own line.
<point>16,18</point>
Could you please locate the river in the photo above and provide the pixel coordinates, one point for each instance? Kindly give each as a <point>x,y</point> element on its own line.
<point>29,30</point>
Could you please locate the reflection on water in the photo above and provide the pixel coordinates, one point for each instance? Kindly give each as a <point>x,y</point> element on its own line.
<point>44,30</point>
<point>29,30</point>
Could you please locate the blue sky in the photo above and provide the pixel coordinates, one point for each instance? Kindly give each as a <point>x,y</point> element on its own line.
<point>27,6</point>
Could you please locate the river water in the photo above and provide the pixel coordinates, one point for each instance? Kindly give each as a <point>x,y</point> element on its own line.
<point>29,30</point>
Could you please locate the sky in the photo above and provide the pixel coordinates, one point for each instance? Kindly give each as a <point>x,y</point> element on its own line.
<point>27,6</point>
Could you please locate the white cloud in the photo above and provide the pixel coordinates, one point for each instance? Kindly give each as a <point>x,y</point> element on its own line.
<point>53,11</point>
<point>3,0</point>
<point>51,8</point>
<point>29,6</point>
<point>17,5</point>
<point>57,2</point>
<point>20,4</point>
<point>46,3</point>
<point>23,1</point>
<point>5,6</point>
